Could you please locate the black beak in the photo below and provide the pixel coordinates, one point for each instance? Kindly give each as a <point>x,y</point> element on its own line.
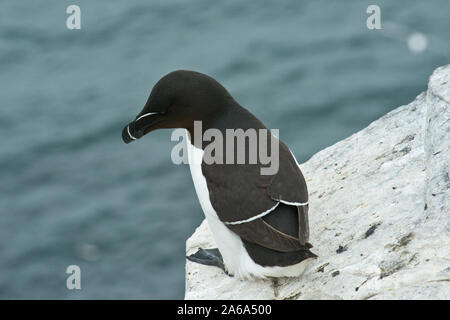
<point>129,133</point>
<point>137,128</point>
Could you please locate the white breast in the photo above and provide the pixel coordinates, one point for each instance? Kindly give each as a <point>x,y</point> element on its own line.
<point>235,257</point>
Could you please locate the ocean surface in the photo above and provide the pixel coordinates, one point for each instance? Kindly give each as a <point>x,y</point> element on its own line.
<point>72,193</point>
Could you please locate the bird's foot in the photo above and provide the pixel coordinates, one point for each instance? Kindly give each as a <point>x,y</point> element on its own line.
<point>209,257</point>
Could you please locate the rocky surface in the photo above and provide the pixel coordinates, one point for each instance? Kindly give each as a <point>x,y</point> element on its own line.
<point>379,214</point>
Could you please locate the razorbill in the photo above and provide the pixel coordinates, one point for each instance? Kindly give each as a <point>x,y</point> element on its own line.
<point>259,222</point>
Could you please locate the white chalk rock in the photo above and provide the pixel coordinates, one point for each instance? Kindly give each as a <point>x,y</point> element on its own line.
<point>379,214</point>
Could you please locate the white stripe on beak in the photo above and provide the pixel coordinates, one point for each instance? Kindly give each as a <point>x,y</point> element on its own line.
<point>145,115</point>
<point>128,130</point>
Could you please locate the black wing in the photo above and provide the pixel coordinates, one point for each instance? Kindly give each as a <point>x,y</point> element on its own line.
<point>240,192</point>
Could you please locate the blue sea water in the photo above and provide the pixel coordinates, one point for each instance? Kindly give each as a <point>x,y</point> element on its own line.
<point>72,193</point>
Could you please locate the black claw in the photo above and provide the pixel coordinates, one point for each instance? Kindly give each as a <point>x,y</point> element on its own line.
<point>209,257</point>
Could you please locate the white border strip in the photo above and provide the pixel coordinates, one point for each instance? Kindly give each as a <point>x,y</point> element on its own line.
<point>255,217</point>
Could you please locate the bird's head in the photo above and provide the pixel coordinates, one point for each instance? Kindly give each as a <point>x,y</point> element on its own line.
<point>176,101</point>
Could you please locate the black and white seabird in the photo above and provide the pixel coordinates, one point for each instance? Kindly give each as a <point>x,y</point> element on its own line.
<point>259,222</point>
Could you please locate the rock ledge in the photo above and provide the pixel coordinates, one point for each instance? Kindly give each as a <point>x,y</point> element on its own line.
<point>379,214</point>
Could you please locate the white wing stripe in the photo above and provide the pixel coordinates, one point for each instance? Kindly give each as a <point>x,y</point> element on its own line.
<point>268,211</point>
<point>294,203</point>
<point>255,217</point>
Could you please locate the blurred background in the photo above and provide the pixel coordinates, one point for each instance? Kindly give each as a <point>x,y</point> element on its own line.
<point>72,192</point>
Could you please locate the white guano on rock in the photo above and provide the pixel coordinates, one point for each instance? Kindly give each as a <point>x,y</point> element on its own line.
<point>379,214</point>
